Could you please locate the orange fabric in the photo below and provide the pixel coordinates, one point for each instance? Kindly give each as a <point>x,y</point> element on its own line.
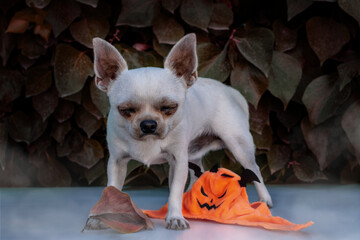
<point>219,197</point>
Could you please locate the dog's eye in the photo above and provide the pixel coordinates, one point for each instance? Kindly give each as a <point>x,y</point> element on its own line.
<point>127,112</point>
<point>169,110</point>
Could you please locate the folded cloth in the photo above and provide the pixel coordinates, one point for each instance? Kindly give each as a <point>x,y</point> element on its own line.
<point>219,196</point>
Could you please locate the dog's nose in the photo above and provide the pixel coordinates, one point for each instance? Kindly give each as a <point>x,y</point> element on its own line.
<point>148,126</point>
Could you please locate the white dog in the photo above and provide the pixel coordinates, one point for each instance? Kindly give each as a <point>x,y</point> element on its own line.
<point>170,115</point>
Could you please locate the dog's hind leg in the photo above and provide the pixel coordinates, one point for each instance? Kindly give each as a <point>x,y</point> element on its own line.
<point>243,150</point>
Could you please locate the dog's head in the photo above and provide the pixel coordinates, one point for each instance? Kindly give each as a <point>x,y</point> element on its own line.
<point>146,102</point>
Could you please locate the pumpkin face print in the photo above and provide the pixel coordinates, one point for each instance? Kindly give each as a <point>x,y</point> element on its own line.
<point>213,206</point>
<point>214,193</point>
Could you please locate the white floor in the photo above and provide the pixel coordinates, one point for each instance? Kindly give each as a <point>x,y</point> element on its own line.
<point>60,213</point>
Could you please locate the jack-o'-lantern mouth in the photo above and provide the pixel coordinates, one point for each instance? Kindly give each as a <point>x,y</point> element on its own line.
<point>209,207</point>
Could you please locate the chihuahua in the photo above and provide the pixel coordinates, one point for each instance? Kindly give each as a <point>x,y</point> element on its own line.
<point>171,115</point>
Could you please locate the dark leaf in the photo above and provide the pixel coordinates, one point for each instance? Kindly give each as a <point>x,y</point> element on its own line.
<point>44,30</point>
<point>40,145</point>
<point>131,166</point>
<point>217,67</point>
<point>206,50</point>
<point>38,3</point>
<point>74,142</point>
<point>229,162</point>
<point>161,49</point>
<point>284,77</point>
<point>263,141</point>
<point>30,47</point>
<point>285,38</point>
<point>3,144</point>
<point>64,111</point>
<point>76,98</point>
<point>88,103</point>
<point>21,20</point>
<point>257,48</point>
<point>51,173</point>
<point>348,71</point>
<point>327,140</point>
<point>140,16</point>
<point>31,15</point>
<point>351,7</point>
<point>307,169</point>
<point>71,69</point>
<point>89,155</point>
<point>350,124</point>
<point>17,26</point>
<point>87,122</point>
<point>25,62</point>
<point>26,127</point>
<point>17,172</point>
<point>326,37</point>
<point>90,26</point>
<point>61,13</point>
<point>143,179</point>
<point>170,5</point>
<point>197,13</point>
<point>11,83</point>
<point>45,103</point>
<point>350,175</point>
<point>322,97</point>
<point>292,116</point>
<point>137,59</point>
<point>118,211</point>
<point>59,130</point>
<point>92,3</point>
<point>294,7</point>
<point>100,99</point>
<point>166,29</point>
<point>213,158</point>
<point>311,65</point>
<point>221,17</point>
<point>160,172</point>
<point>8,43</point>
<point>259,117</point>
<point>356,155</point>
<point>39,79</point>
<point>63,149</point>
<point>250,81</point>
<point>278,156</point>
<point>95,172</point>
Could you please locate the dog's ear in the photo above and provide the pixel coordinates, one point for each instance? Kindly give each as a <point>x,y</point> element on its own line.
<point>182,59</point>
<point>108,63</point>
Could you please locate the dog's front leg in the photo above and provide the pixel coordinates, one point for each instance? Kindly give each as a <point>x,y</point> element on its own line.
<point>179,169</point>
<point>116,171</point>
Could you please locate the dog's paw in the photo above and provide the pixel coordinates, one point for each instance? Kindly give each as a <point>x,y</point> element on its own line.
<point>95,224</point>
<point>177,223</point>
<point>267,200</point>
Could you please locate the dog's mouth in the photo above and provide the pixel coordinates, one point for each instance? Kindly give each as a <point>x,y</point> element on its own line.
<point>146,136</point>
<point>149,134</point>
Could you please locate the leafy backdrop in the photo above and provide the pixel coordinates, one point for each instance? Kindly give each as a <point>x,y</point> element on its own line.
<point>296,62</point>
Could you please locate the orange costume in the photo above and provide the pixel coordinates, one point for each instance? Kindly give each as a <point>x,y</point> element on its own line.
<point>221,196</point>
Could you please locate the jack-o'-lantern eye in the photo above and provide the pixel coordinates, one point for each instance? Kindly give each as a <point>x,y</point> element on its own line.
<point>223,194</point>
<point>203,192</point>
